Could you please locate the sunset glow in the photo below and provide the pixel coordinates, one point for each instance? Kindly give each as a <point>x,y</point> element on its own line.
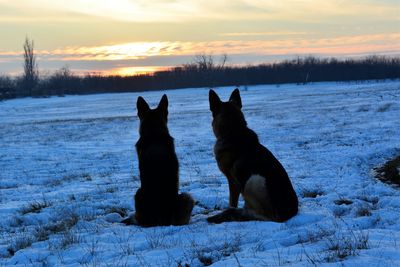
<point>129,71</point>
<point>135,36</point>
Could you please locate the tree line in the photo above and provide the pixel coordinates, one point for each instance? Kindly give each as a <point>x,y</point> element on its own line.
<point>203,71</point>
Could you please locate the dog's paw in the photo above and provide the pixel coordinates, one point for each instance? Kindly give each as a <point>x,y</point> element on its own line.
<point>219,218</point>
<point>131,220</point>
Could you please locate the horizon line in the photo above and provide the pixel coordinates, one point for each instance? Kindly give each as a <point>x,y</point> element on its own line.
<point>133,71</point>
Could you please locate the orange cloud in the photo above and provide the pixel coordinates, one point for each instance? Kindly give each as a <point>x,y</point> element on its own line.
<point>341,45</point>
<point>139,50</point>
<point>270,33</point>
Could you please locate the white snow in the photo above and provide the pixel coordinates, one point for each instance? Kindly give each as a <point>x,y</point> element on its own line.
<point>69,169</point>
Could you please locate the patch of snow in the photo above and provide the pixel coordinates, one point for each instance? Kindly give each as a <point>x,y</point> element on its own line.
<point>77,154</point>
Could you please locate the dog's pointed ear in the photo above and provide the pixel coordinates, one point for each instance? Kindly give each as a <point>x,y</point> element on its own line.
<point>235,98</point>
<point>142,107</point>
<point>215,101</point>
<point>163,105</point>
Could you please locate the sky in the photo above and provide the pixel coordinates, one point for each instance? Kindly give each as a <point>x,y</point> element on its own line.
<point>128,37</point>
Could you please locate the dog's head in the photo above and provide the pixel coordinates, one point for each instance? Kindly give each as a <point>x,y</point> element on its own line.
<point>152,120</point>
<point>228,118</point>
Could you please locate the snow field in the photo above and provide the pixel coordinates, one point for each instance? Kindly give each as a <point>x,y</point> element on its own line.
<point>69,172</point>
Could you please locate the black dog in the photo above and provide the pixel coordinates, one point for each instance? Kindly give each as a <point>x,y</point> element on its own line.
<point>157,201</point>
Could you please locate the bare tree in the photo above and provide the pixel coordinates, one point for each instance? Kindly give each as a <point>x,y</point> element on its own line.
<point>206,62</point>
<point>223,60</point>
<point>31,73</point>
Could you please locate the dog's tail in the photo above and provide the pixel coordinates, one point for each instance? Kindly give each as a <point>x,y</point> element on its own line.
<point>183,209</point>
<point>235,214</point>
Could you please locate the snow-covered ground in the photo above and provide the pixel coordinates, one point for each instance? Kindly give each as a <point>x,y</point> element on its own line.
<point>68,170</point>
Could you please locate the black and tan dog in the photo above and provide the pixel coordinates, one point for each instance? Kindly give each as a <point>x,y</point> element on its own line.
<point>157,201</point>
<point>251,169</point>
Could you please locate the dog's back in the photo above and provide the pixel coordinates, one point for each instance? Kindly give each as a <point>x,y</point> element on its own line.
<point>157,201</point>
<point>158,166</point>
<point>283,202</point>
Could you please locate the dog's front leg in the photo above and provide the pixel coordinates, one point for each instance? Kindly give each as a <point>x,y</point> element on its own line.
<point>234,192</point>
